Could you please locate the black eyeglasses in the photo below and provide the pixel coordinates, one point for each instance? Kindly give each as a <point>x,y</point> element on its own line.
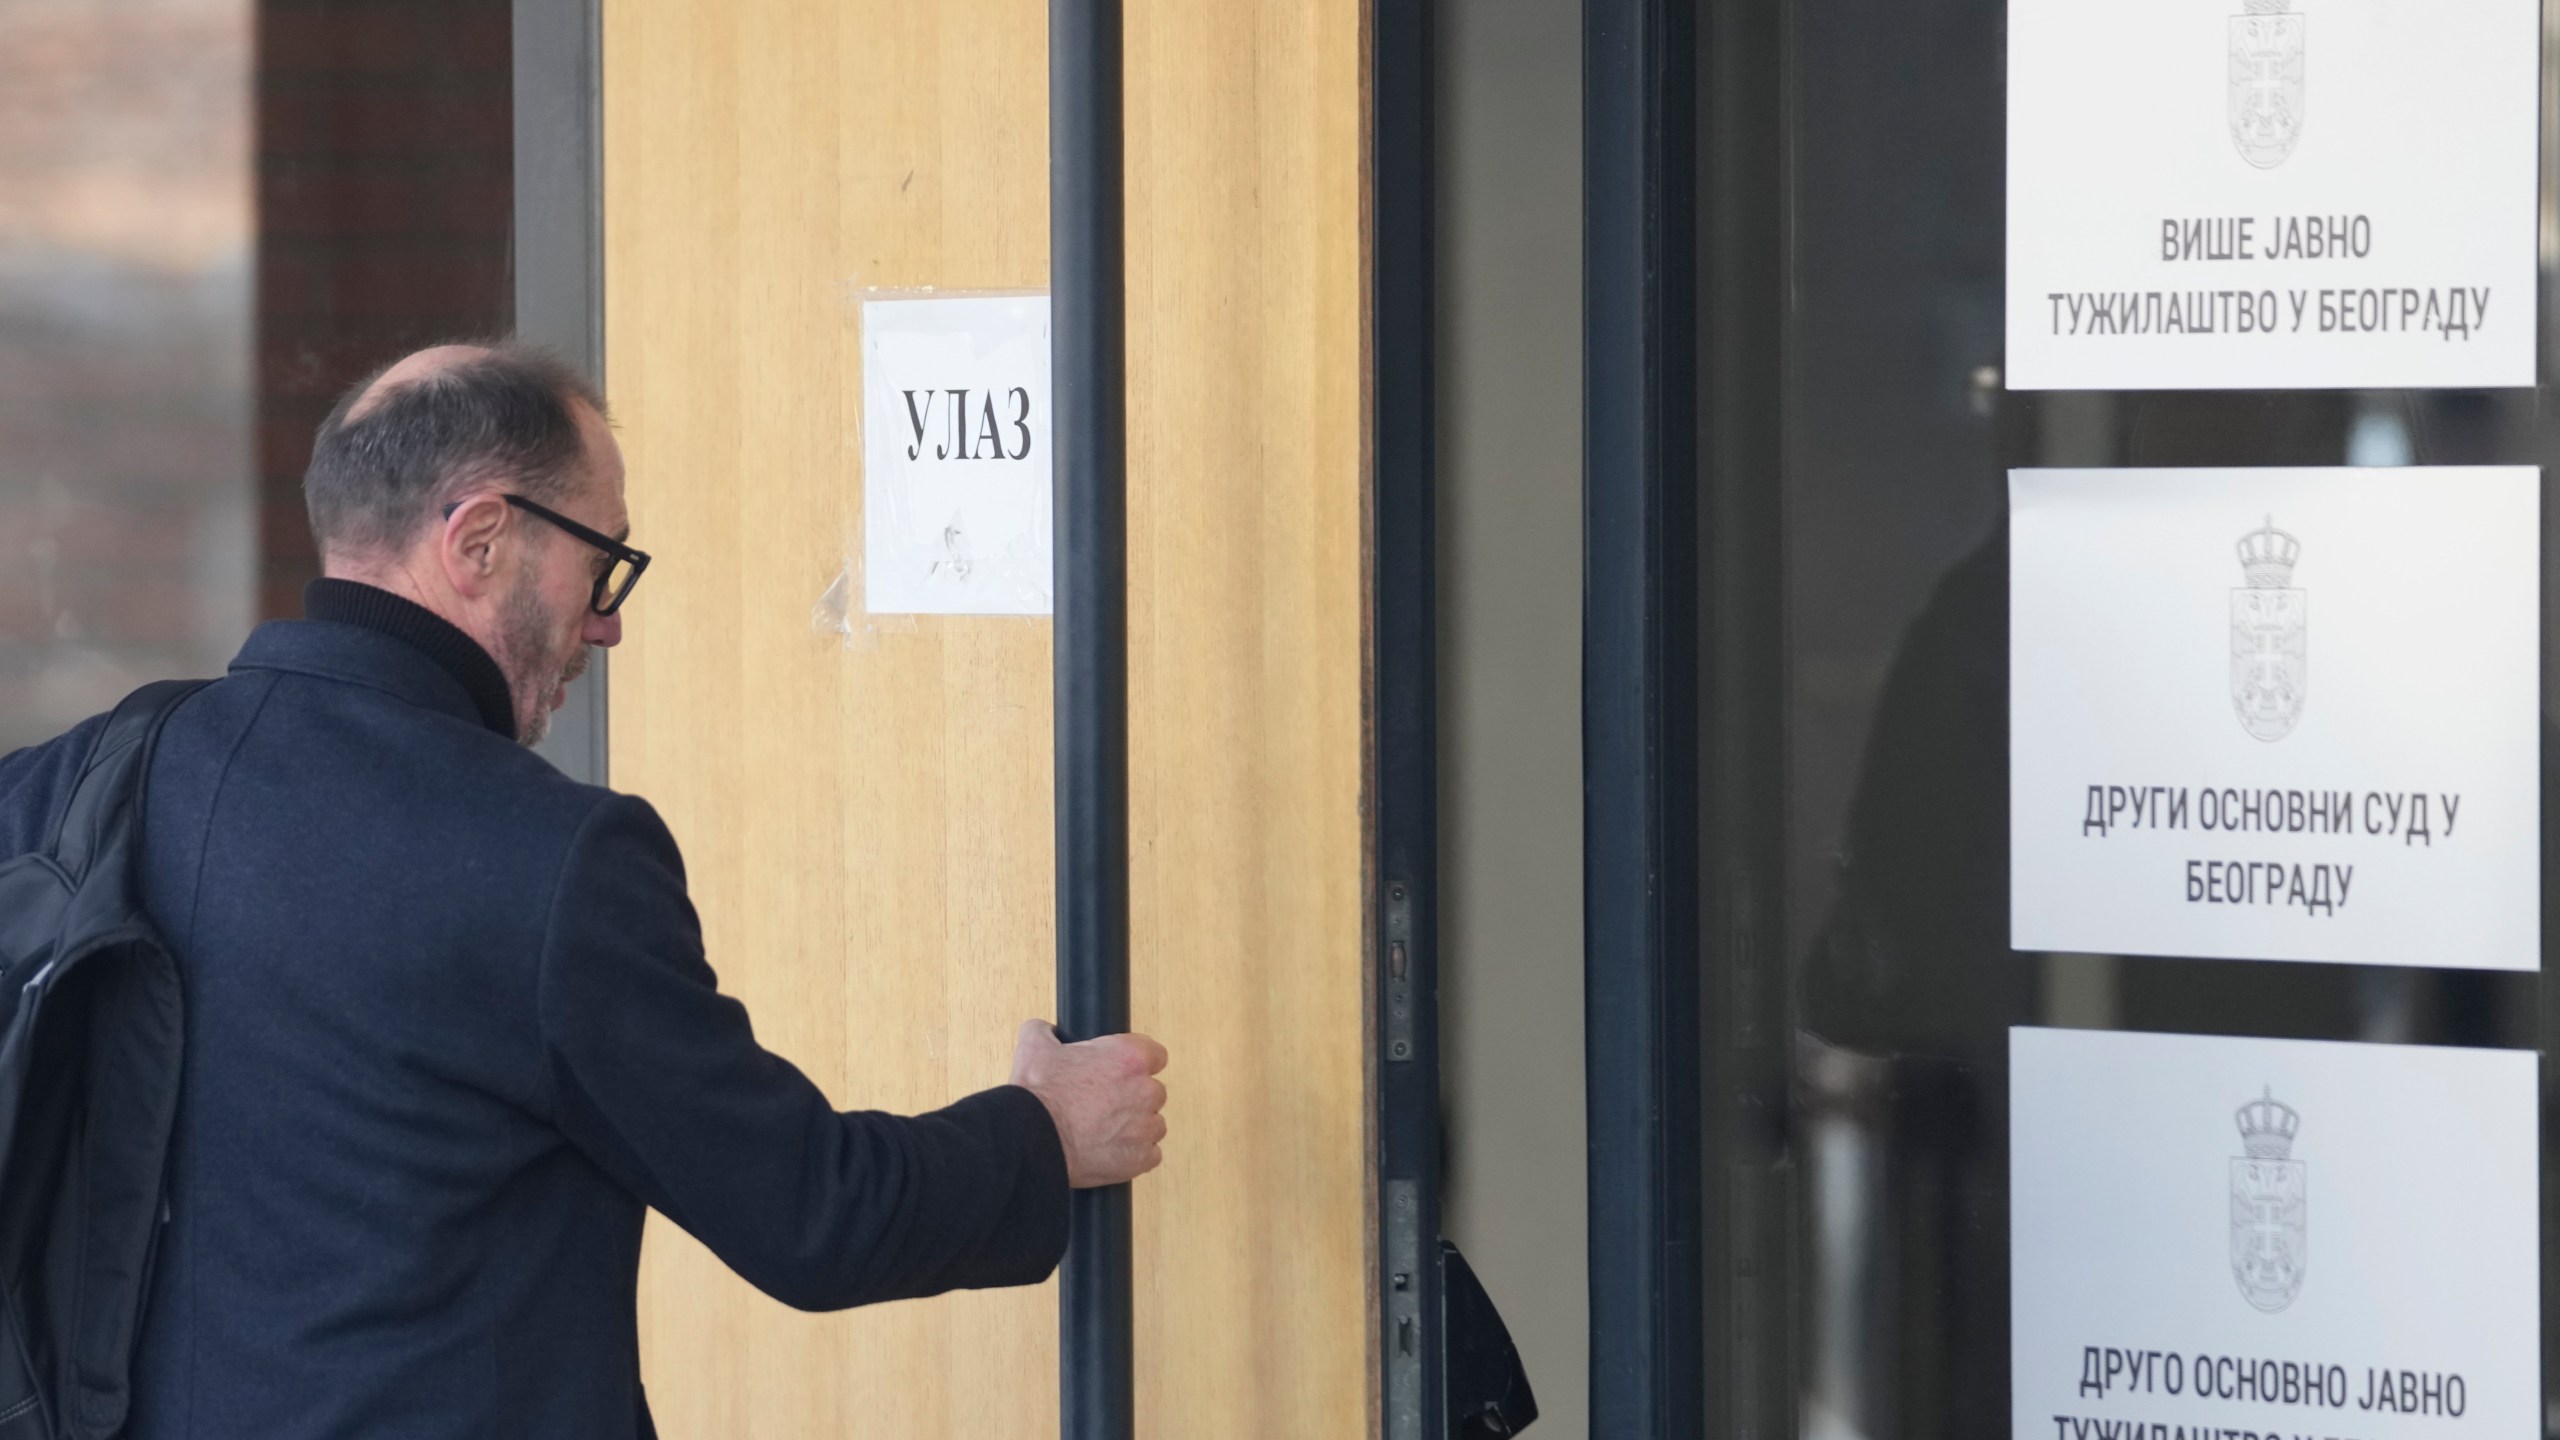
<point>622,564</point>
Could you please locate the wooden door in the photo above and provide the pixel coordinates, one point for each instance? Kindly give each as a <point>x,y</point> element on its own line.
<point>864,802</point>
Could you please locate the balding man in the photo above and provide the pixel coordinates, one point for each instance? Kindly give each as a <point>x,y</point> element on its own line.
<point>449,1026</point>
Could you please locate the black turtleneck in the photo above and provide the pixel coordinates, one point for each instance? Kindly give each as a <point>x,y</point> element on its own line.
<point>350,602</point>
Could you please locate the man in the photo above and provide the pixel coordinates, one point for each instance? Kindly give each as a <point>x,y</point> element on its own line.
<point>449,1025</point>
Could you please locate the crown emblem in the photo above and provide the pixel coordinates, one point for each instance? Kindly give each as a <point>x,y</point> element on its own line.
<point>2267,555</point>
<point>2268,7</point>
<point>2267,1127</point>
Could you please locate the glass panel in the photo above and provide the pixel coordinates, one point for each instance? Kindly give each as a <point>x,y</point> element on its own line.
<point>214,216</point>
<point>126,500</point>
<point>1868,1290</point>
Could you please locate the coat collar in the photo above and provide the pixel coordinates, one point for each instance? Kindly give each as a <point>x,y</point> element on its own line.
<point>371,637</point>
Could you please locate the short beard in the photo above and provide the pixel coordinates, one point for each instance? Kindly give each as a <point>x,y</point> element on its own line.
<point>525,657</point>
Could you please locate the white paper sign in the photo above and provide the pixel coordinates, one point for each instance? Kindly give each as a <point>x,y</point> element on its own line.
<point>955,455</point>
<point>2356,1225</point>
<point>2277,714</point>
<point>2272,194</point>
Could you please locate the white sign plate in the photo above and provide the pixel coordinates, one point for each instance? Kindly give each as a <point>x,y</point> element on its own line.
<point>2271,194</point>
<point>2277,714</point>
<point>955,455</point>
<point>2356,1225</point>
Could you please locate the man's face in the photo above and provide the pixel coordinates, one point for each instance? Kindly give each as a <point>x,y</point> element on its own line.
<point>547,620</point>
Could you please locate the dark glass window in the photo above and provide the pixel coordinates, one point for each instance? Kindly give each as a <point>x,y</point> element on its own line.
<point>1864,1284</point>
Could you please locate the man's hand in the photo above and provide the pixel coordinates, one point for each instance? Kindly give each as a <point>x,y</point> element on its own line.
<point>1104,1096</point>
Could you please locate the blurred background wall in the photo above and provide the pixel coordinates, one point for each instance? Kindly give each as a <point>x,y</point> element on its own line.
<point>126,503</point>
<point>214,215</point>
<point>1510,551</point>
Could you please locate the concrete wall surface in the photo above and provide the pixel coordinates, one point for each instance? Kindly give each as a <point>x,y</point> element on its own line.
<point>1510,393</point>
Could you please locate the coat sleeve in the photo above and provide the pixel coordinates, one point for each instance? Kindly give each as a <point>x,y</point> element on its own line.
<point>657,1076</point>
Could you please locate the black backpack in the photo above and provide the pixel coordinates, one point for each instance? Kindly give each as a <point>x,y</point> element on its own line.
<point>90,1041</point>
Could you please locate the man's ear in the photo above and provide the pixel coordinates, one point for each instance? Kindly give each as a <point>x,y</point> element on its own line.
<point>471,544</point>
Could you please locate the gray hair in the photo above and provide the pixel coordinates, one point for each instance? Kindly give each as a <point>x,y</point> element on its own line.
<point>507,416</point>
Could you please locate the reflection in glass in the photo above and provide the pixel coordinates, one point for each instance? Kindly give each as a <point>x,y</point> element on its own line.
<point>1878,1308</point>
<point>214,216</point>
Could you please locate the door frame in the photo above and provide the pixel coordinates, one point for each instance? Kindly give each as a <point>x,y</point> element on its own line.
<point>558,59</point>
<point>1402,882</point>
<point>1640,731</point>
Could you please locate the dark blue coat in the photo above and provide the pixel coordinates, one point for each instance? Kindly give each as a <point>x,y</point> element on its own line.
<point>449,1030</point>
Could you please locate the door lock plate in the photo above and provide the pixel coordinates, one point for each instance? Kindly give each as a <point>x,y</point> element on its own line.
<point>1400,962</point>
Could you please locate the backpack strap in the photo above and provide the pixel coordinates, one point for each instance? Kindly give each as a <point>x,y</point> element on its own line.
<point>118,761</point>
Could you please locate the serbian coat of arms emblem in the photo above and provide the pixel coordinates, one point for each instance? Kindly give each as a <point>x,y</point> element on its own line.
<point>2270,1241</point>
<point>2270,635</point>
<point>2266,82</point>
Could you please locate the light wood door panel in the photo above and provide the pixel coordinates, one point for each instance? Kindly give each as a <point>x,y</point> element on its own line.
<point>866,814</point>
<point>1246,477</point>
